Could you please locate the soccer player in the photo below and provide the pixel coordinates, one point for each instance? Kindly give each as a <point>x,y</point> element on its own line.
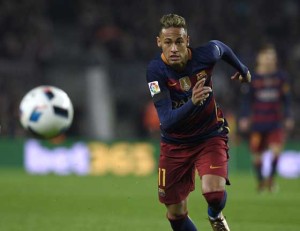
<point>193,129</point>
<point>266,112</point>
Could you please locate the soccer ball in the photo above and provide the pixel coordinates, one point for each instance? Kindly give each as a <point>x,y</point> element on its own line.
<point>46,111</point>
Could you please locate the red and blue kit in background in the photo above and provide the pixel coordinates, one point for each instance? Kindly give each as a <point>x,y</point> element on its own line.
<point>267,102</point>
<point>192,137</point>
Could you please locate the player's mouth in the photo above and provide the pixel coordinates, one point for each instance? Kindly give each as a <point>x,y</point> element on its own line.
<point>174,58</point>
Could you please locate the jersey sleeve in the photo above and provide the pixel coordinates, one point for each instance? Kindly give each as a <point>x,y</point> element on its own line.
<point>222,51</point>
<point>159,91</point>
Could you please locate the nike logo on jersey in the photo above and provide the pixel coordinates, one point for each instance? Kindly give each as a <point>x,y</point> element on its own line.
<point>214,167</point>
<point>171,84</point>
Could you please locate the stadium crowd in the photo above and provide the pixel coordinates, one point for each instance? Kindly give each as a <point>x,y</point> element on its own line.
<point>37,36</point>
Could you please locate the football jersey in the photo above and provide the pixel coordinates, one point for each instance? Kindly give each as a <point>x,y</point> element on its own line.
<point>180,120</point>
<point>267,101</point>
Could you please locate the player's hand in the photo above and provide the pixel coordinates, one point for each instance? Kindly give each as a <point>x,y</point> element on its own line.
<point>242,79</point>
<point>244,124</point>
<point>200,92</point>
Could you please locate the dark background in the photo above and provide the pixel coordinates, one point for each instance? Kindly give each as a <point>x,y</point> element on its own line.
<point>56,41</point>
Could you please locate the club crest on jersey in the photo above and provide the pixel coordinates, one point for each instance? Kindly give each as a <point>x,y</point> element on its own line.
<point>185,83</point>
<point>201,74</point>
<point>154,88</point>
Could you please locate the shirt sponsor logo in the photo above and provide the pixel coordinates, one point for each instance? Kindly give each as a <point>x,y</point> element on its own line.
<point>172,84</point>
<point>268,95</point>
<point>154,88</point>
<point>179,103</point>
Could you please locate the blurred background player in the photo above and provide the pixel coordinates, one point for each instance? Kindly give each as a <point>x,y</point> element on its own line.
<point>266,112</point>
<point>193,129</point>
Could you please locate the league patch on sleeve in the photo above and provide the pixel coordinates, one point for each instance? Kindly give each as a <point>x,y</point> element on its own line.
<point>154,88</point>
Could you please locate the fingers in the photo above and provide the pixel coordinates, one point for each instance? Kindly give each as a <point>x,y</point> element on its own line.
<point>202,91</point>
<point>238,76</point>
<point>235,76</point>
<point>201,98</point>
<point>248,77</point>
<point>200,83</point>
<point>200,95</point>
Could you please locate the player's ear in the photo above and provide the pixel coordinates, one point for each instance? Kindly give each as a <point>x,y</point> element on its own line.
<point>188,40</point>
<point>158,42</point>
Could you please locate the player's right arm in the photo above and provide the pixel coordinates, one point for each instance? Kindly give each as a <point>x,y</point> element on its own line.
<point>168,116</point>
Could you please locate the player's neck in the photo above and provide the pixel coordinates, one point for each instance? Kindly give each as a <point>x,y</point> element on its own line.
<point>180,67</point>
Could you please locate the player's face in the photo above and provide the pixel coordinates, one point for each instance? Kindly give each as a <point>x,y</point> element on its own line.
<point>267,58</point>
<point>174,43</point>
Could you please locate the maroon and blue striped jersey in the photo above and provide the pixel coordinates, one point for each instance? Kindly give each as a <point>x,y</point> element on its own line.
<point>267,101</point>
<point>180,120</point>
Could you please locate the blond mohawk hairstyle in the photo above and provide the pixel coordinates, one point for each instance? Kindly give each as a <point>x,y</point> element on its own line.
<point>172,20</point>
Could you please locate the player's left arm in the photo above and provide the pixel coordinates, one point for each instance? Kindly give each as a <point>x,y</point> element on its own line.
<point>222,51</point>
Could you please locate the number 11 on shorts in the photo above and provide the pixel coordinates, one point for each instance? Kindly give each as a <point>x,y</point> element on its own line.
<point>162,177</point>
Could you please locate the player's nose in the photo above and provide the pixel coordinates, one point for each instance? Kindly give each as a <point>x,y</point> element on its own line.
<point>174,47</point>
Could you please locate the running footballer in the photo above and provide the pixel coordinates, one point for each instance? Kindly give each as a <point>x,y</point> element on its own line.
<point>193,129</point>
